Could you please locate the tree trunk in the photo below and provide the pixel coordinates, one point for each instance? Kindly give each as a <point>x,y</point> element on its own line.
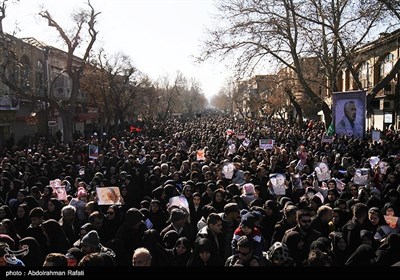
<point>327,114</point>
<point>68,125</point>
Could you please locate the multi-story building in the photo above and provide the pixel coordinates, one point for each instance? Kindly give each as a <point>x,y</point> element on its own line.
<point>35,75</point>
<point>373,62</point>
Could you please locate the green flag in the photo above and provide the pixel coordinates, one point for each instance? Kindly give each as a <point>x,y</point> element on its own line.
<point>331,130</point>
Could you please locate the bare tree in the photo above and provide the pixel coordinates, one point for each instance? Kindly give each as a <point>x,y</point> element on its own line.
<point>192,97</point>
<point>3,8</point>
<point>74,68</point>
<point>169,94</point>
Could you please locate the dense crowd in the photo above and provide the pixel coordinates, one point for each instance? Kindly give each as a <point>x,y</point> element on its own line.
<point>203,192</point>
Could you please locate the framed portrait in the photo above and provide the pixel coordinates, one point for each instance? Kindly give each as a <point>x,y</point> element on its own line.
<point>349,113</point>
<point>108,196</point>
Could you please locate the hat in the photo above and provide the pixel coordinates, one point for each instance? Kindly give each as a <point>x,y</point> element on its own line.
<point>248,220</point>
<point>91,239</point>
<point>133,216</point>
<point>81,192</point>
<point>231,208</point>
<point>74,253</point>
<point>176,215</point>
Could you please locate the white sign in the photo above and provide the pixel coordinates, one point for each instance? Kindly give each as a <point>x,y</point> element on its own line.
<point>361,176</point>
<point>266,144</point>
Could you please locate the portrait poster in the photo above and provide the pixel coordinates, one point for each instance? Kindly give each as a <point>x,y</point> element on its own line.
<point>200,155</point>
<point>246,142</point>
<point>349,109</point>
<point>228,170</point>
<point>299,166</point>
<point>373,161</point>
<point>93,151</point>
<point>108,196</point>
<point>322,171</point>
<point>339,184</point>
<point>58,189</point>
<point>278,183</point>
<point>361,176</point>
<point>383,166</point>
<point>232,149</point>
<point>229,132</point>
<point>392,221</point>
<point>180,201</point>
<point>296,181</point>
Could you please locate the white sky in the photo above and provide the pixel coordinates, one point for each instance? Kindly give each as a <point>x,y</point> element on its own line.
<point>160,36</point>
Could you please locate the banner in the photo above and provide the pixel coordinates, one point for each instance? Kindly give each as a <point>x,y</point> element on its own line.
<point>266,144</point>
<point>241,136</point>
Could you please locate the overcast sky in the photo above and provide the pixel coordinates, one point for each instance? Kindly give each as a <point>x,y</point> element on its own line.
<point>161,36</point>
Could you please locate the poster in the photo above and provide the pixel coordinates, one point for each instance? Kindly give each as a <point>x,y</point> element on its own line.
<point>58,189</point>
<point>228,170</point>
<point>246,142</point>
<point>232,149</point>
<point>180,201</point>
<point>376,135</point>
<point>241,136</point>
<point>200,155</point>
<point>348,110</point>
<point>278,183</point>
<point>108,196</point>
<point>327,139</point>
<point>93,151</point>
<point>392,221</point>
<point>361,176</point>
<point>383,166</point>
<point>322,171</point>
<point>266,144</point>
<point>296,181</point>
<point>8,102</point>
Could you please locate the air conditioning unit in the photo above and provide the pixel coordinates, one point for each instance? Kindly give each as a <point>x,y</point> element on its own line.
<point>386,105</point>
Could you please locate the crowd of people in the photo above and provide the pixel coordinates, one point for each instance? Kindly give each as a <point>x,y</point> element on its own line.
<point>203,192</point>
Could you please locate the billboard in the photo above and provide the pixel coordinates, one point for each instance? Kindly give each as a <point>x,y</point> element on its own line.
<point>349,112</point>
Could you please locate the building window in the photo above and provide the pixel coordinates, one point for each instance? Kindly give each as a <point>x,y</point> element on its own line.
<point>386,65</point>
<point>365,74</point>
<point>25,73</point>
<point>39,78</point>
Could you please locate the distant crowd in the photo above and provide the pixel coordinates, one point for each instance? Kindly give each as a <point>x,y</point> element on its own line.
<point>210,191</point>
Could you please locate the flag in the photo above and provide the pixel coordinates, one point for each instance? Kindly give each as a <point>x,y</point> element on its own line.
<point>331,130</point>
